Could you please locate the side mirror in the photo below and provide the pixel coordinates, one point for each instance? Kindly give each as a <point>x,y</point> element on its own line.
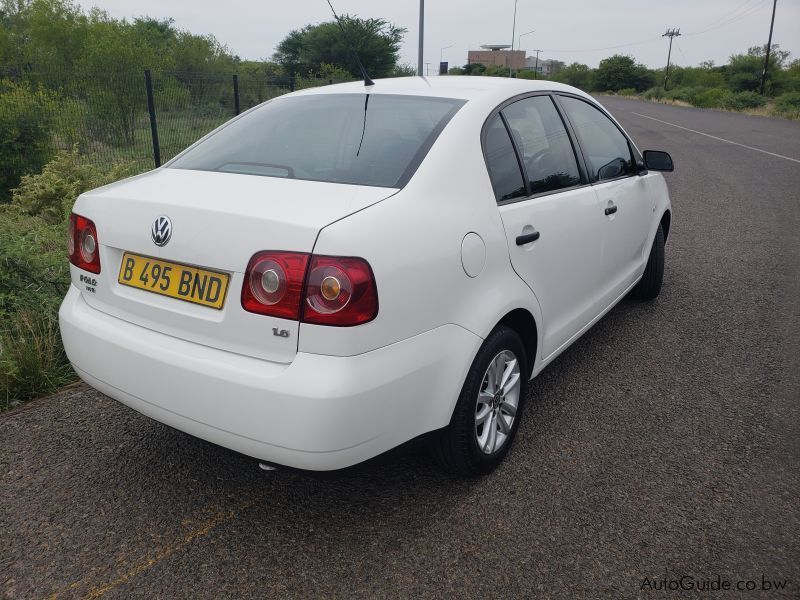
<point>656,160</point>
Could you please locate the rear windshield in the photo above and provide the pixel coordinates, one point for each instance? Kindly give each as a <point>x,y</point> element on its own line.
<point>364,139</point>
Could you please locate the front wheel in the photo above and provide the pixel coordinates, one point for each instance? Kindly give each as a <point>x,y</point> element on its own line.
<point>487,413</point>
<point>649,285</point>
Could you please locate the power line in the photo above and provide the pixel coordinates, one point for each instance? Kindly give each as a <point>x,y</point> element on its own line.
<point>724,21</point>
<point>747,13</point>
<point>728,14</point>
<point>647,41</point>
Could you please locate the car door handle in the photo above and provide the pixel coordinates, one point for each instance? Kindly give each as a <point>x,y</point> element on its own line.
<point>610,210</point>
<point>527,238</point>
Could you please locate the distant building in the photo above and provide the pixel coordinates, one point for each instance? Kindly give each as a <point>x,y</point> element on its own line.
<point>545,66</point>
<point>497,55</point>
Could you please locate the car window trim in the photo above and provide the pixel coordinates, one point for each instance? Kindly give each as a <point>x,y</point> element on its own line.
<point>518,154</point>
<point>541,194</point>
<point>576,150</point>
<point>635,155</point>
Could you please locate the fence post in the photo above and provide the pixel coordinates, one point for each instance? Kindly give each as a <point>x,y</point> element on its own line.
<point>291,83</point>
<point>151,107</point>
<point>236,94</point>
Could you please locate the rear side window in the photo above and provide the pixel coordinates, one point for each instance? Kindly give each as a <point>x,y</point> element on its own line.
<point>501,160</point>
<point>364,139</point>
<point>605,148</point>
<point>543,143</point>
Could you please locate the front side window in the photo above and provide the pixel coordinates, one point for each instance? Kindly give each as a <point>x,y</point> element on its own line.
<point>363,139</point>
<point>501,160</point>
<point>543,143</point>
<point>605,148</point>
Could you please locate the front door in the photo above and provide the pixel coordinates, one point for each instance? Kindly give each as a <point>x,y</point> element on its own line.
<point>627,206</point>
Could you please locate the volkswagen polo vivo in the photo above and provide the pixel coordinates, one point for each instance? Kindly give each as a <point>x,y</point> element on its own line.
<point>342,270</point>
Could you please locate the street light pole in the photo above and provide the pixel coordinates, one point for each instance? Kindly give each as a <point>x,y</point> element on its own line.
<point>521,35</point>
<point>421,35</point>
<point>519,43</point>
<point>513,34</point>
<point>441,51</point>
<point>441,56</point>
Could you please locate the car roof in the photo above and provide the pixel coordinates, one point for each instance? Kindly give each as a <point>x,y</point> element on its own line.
<point>464,87</point>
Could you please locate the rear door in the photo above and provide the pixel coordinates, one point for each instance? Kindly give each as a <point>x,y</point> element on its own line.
<point>552,220</point>
<point>628,207</point>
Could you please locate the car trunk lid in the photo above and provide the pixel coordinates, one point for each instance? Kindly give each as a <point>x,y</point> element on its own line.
<point>219,220</point>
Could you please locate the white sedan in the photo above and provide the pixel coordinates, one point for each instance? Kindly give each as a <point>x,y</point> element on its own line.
<point>344,270</point>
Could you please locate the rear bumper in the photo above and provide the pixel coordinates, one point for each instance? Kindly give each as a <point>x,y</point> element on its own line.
<point>317,413</point>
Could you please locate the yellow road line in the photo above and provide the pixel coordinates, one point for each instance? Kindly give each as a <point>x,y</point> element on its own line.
<point>146,563</point>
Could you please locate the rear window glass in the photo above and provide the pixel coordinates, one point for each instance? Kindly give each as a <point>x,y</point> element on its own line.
<point>364,139</point>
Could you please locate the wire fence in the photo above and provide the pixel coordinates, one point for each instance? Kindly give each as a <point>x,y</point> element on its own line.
<point>140,117</point>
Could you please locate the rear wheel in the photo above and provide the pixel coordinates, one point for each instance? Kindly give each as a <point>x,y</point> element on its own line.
<point>488,411</point>
<point>649,285</point>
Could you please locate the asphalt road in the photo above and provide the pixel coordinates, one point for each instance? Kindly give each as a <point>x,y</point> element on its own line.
<point>664,443</point>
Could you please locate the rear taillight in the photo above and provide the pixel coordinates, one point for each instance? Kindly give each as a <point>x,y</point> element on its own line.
<point>324,290</point>
<point>340,291</point>
<point>82,244</point>
<point>273,284</point>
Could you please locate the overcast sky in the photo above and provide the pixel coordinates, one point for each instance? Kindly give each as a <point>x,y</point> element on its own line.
<point>569,30</point>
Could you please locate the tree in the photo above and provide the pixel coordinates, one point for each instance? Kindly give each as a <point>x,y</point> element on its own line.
<point>200,61</point>
<point>744,70</point>
<point>288,51</point>
<point>576,74</point>
<point>42,32</point>
<point>111,77</point>
<point>377,42</point>
<point>25,137</point>
<point>619,72</point>
<point>404,71</point>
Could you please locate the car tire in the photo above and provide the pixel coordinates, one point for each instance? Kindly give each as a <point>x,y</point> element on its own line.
<point>649,285</point>
<point>465,447</point>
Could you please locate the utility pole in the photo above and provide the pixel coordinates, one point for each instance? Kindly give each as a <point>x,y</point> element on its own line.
<point>536,67</point>
<point>769,47</point>
<point>671,33</point>
<point>421,35</point>
<point>513,33</point>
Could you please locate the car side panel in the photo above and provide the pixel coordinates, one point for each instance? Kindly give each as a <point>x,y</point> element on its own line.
<point>413,242</point>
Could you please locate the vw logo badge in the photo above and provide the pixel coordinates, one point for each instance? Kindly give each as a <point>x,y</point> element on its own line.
<point>161,230</point>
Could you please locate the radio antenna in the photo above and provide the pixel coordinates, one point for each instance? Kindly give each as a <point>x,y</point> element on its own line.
<point>367,80</point>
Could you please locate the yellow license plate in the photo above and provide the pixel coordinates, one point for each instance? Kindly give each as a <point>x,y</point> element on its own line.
<point>192,284</point>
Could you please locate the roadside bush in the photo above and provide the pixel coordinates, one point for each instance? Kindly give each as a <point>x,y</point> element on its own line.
<point>709,98</point>
<point>51,193</point>
<point>34,275</point>
<point>683,94</point>
<point>627,92</point>
<point>32,359</point>
<point>788,105</point>
<point>25,139</point>
<point>742,100</point>
<point>654,93</point>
